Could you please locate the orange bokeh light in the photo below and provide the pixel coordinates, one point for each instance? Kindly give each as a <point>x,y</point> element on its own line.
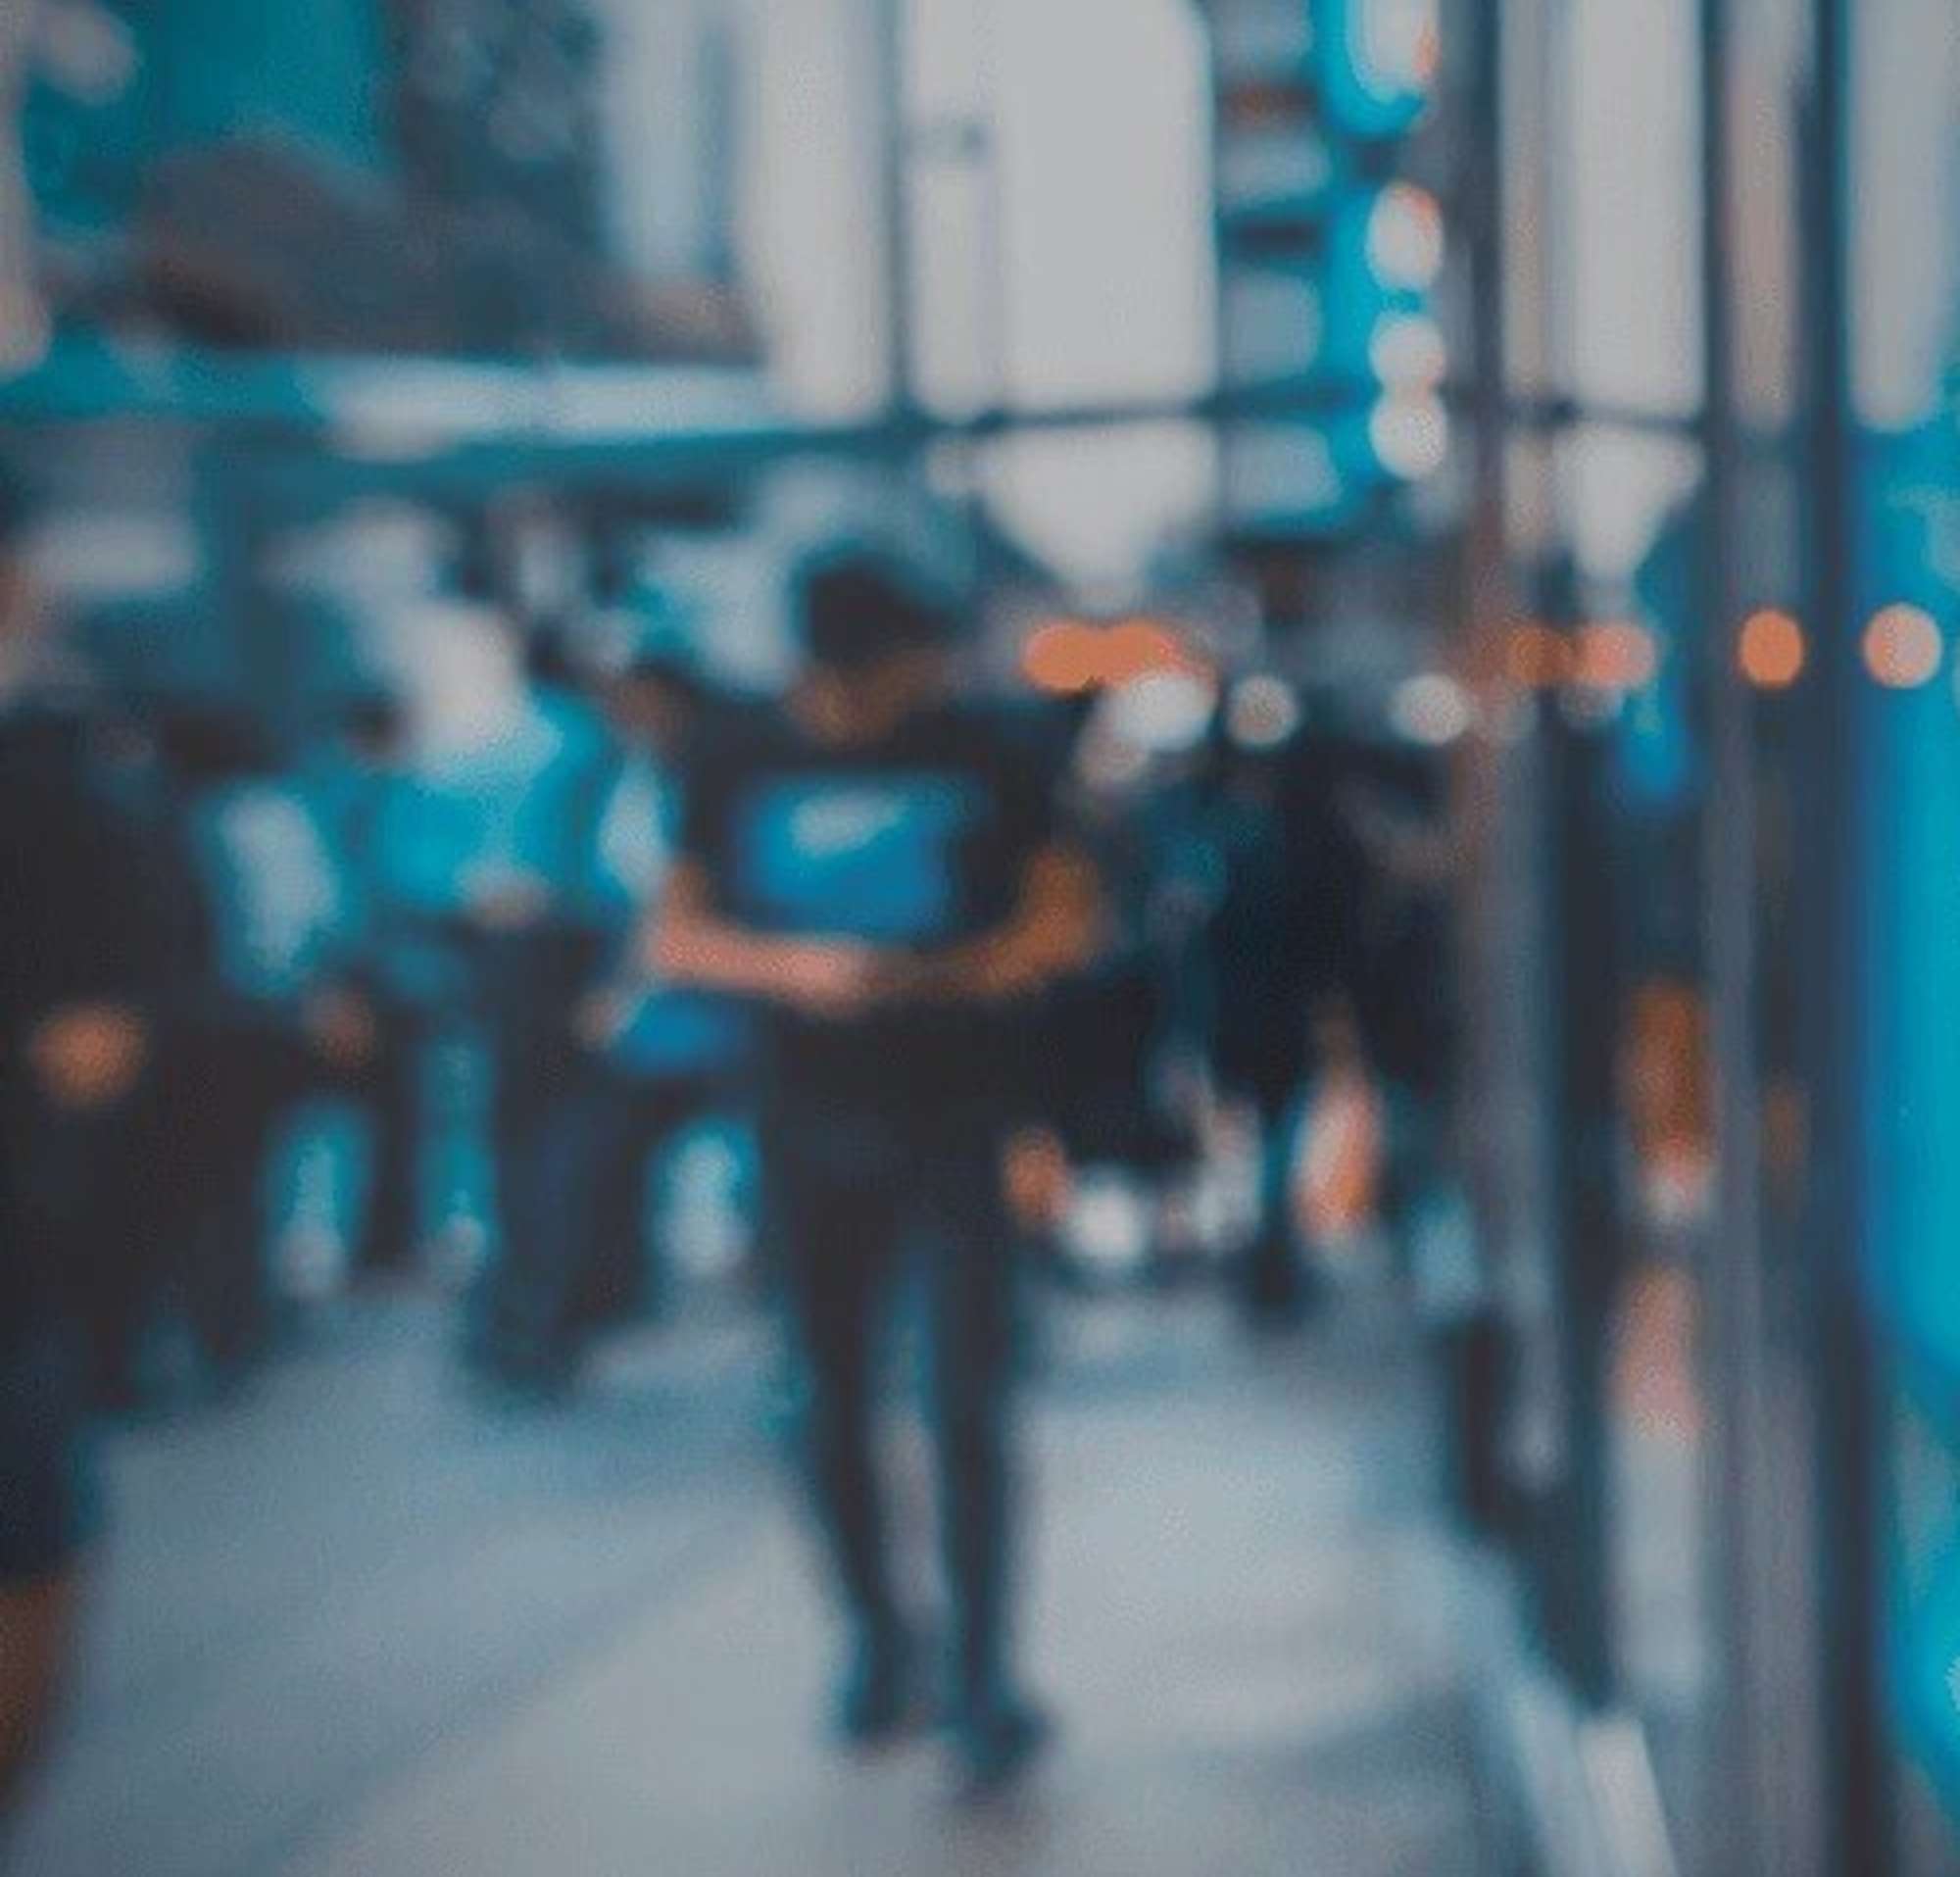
<point>1135,648</point>
<point>1536,655</point>
<point>1902,646</point>
<point>1071,656</point>
<point>1064,656</point>
<point>1615,655</point>
<point>1770,650</point>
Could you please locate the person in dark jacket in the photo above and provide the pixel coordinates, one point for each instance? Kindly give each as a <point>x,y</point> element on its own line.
<point>78,995</point>
<point>1284,946</point>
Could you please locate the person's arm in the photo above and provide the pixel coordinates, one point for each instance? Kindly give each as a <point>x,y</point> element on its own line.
<point>690,943</point>
<point>1056,928</point>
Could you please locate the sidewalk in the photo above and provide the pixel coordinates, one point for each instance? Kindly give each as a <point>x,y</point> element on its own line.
<point>1241,1616</point>
<point>351,1627</point>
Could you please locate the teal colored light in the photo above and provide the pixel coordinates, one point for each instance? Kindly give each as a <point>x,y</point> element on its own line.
<point>84,156</point>
<point>1913,942</point>
<point>1655,754</point>
<point>1910,534</point>
<point>314,71</point>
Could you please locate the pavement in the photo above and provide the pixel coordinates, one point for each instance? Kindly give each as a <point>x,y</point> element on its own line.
<point>355,1625</point>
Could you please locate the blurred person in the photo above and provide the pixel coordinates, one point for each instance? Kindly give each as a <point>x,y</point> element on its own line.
<point>1132,1030</point>
<point>115,1185</point>
<point>269,1026</point>
<point>661,1058</point>
<point>546,916</point>
<point>75,1042</point>
<point>1284,951</point>
<point>645,1060</point>
<point>877,867</point>
<point>376,999</point>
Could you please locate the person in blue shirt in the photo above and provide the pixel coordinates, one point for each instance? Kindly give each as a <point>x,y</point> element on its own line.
<point>637,1061</point>
<point>548,917</point>
<point>384,966</point>
<point>877,869</point>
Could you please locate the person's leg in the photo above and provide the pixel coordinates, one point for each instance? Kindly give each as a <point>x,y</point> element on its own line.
<point>36,1630</point>
<point>973,1294</point>
<point>253,1078</point>
<point>628,1124</point>
<point>120,1230</point>
<point>46,1515</point>
<point>1275,1290</point>
<point>527,1334</point>
<point>110,1276</point>
<point>395,1102</point>
<point>835,1239</point>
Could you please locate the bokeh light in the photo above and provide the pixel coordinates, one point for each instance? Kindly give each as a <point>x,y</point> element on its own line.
<point>1064,656</point>
<point>1770,650</point>
<point>1536,656</point>
<point>1405,237</point>
<point>1410,435</point>
<point>1615,655</point>
<point>1431,708</point>
<point>1902,648</point>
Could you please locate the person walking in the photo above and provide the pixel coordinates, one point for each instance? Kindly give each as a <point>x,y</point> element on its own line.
<point>878,867</point>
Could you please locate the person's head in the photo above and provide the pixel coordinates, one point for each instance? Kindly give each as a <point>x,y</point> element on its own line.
<point>653,699</point>
<point>875,647</point>
<point>552,656</point>
<point>207,743</point>
<point>373,730</point>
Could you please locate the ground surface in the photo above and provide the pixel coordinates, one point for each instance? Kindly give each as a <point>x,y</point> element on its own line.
<point>354,1626</point>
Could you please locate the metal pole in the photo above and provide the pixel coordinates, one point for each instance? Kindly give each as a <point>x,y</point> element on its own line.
<point>1757,1811</point>
<point>1585,1210</point>
<point>894,129</point>
<point>1479,780</point>
<point>1851,1500</point>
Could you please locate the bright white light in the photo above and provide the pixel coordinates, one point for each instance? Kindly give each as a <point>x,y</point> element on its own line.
<point>116,556</point>
<point>1397,50</point>
<point>1108,1225</point>
<point>1431,709</point>
<point>1410,435</point>
<point>1263,714</point>
<point>1406,244</point>
<point>1163,711</point>
<point>1407,350</point>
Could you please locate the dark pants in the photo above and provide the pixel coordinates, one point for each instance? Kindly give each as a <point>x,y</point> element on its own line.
<point>47,1488</point>
<point>162,1199</point>
<point>521,1320</point>
<point>1263,1057</point>
<point>626,1120</point>
<point>100,1196</point>
<point>848,1202</point>
<point>231,1084</point>
<point>574,1141</point>
<point>396,1099</point>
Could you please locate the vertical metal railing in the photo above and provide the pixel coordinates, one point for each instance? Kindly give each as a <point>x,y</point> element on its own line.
<point>1836,1043</point>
